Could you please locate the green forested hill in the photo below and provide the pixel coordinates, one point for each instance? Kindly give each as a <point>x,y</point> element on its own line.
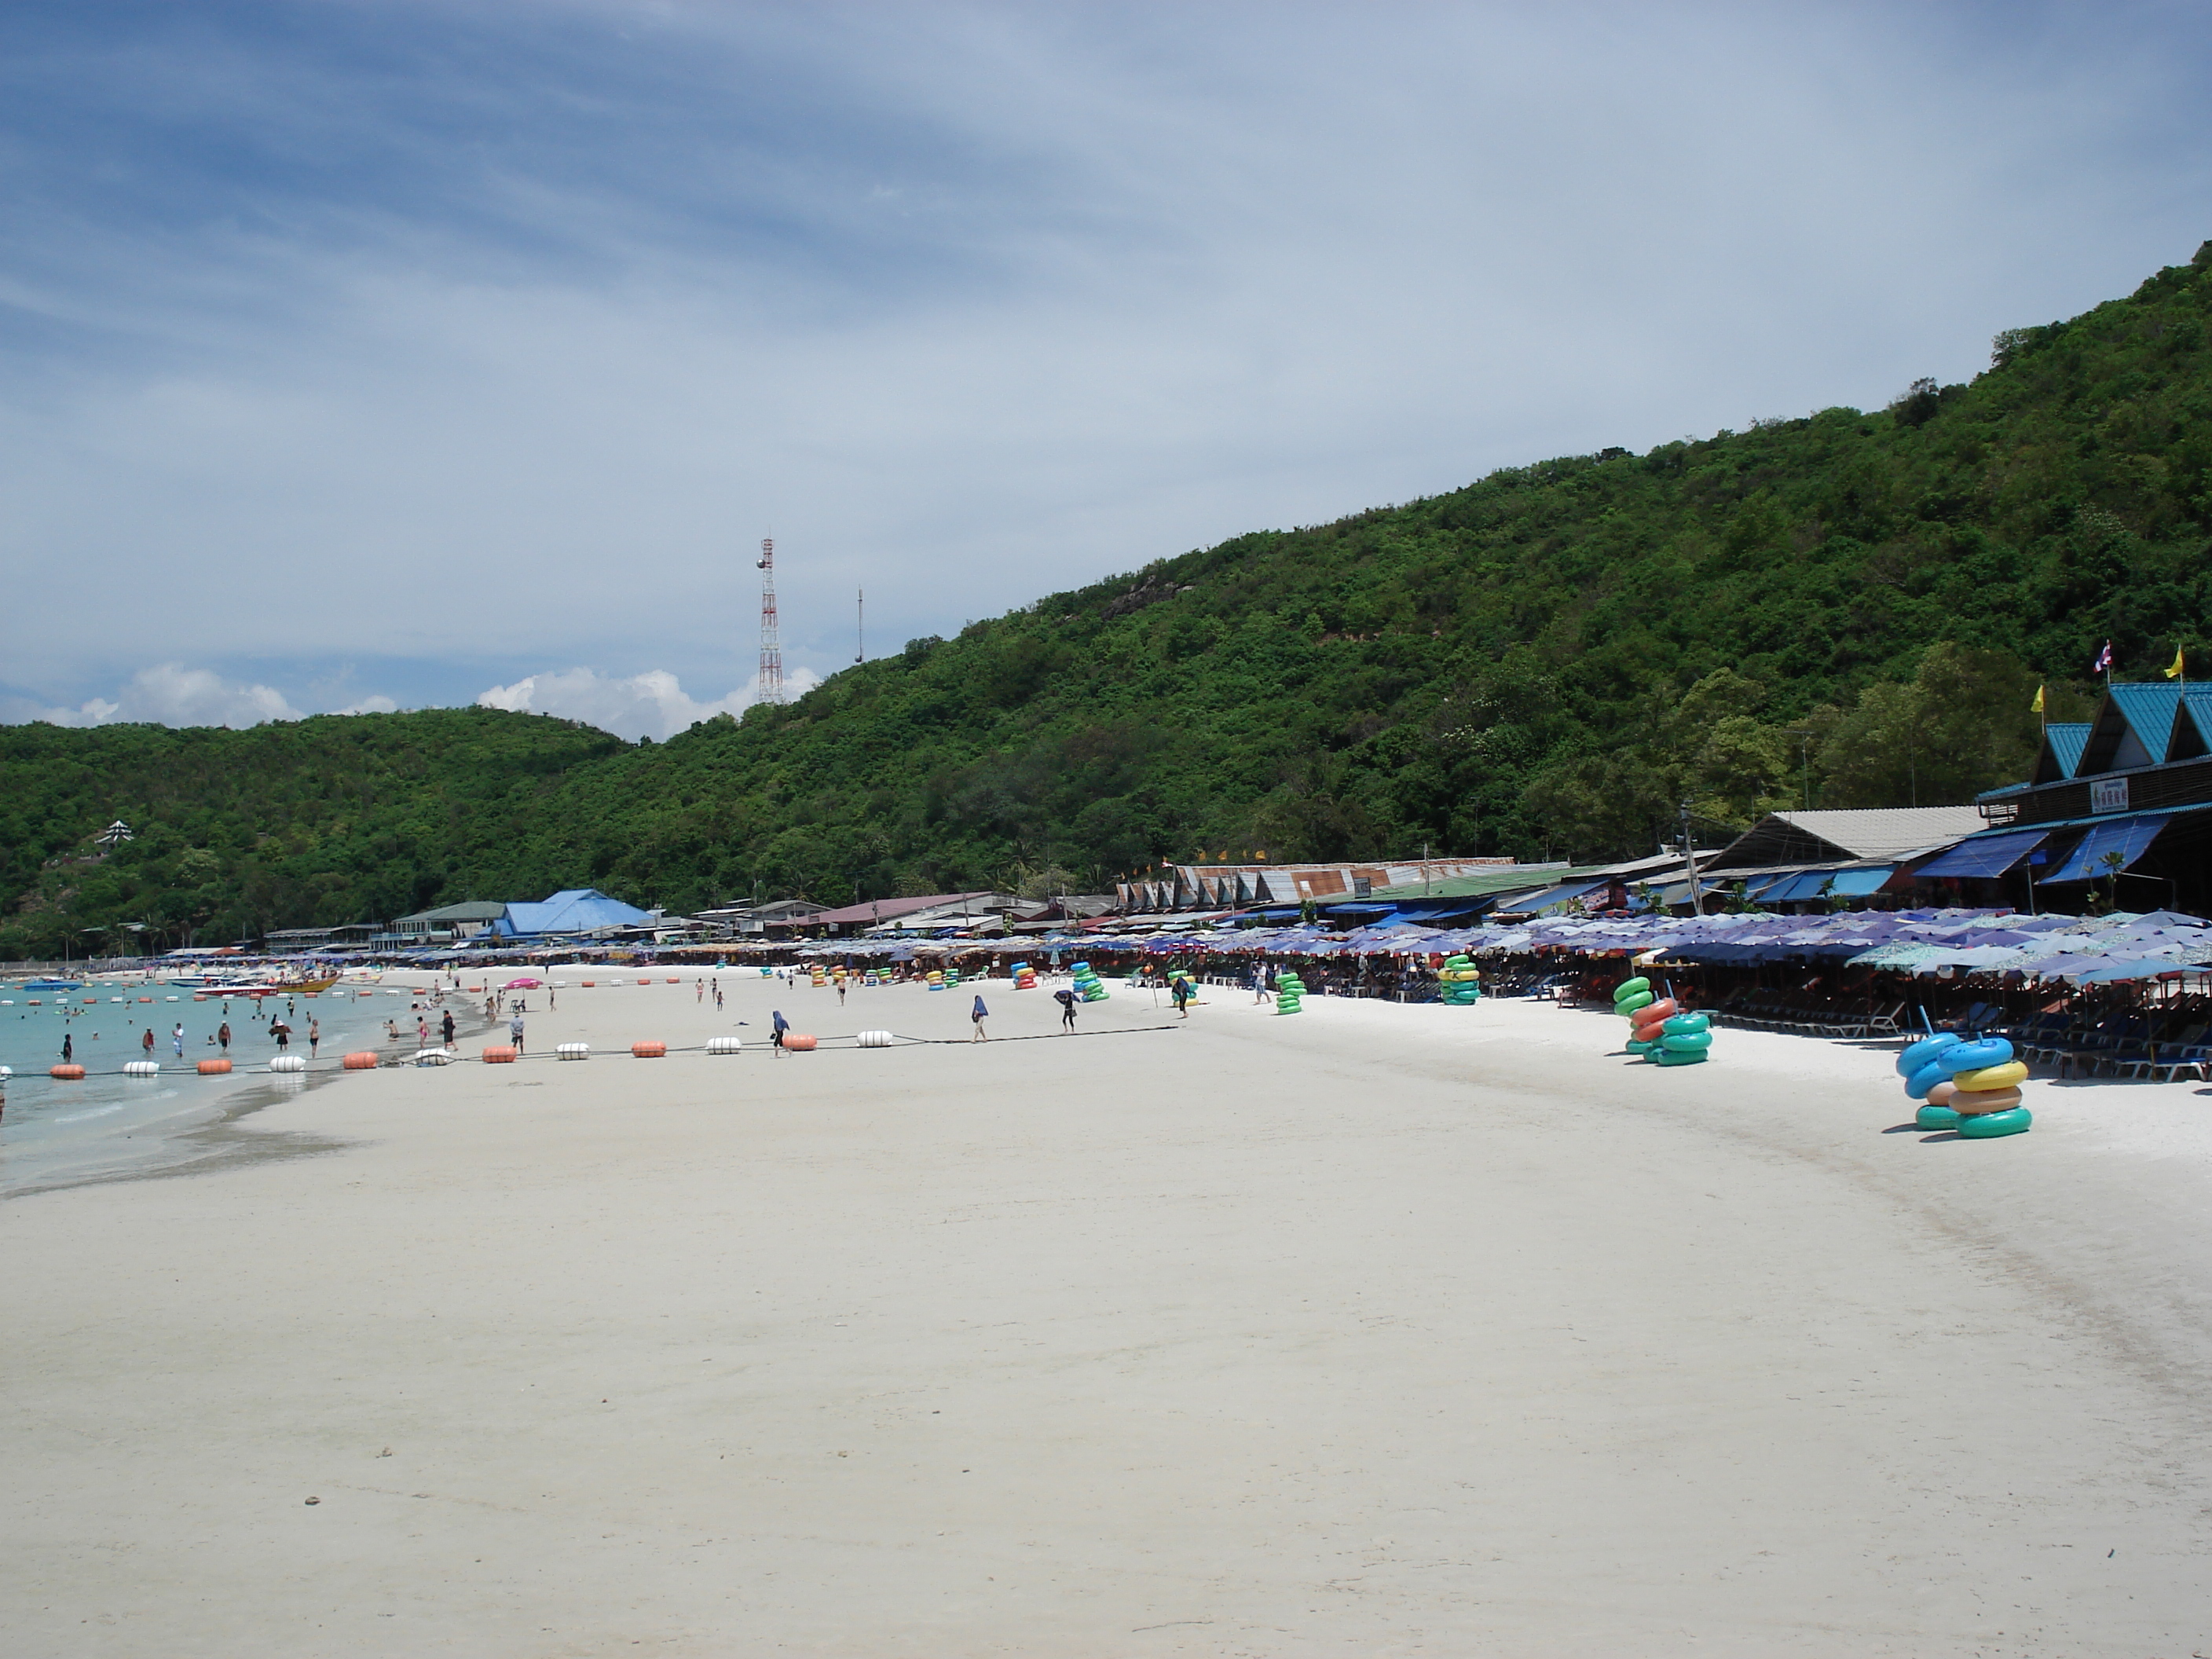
<point>1852,606</point>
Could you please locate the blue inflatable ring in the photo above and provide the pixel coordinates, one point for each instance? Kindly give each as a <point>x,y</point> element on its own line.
<point>1936,1117</point>
<point>1926,1078</point>
<point>1682,1025</point>
<point>1678,1057</point>
<point>1686,1042</point>
<point>1988,1126</point>
<point>1919,1054</point>
<point>1973,1056</point>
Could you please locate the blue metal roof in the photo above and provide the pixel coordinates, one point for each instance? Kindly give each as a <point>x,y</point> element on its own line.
<point>2191,719</point>
<point>1856,883</point>
<point>577,910</point>
<point>2141,732</point>
<point>2062,741</point>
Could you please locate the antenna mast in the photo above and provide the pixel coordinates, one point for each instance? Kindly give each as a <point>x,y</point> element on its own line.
<point>771,662</point>
<point>861,622</point>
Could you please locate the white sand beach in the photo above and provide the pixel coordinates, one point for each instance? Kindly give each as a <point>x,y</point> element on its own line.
<point>1370,1330</point>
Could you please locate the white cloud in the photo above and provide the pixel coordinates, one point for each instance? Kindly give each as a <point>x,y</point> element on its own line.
<point>653,704</point>
<point>170,695</point>
<point>378,705</point>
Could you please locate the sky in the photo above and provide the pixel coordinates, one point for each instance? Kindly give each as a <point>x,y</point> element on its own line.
<point>362,356</point>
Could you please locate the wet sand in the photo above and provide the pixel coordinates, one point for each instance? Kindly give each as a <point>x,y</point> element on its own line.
<point>1370,1330</point>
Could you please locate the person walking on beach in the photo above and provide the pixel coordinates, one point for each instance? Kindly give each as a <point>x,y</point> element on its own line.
<point>977,1015</point>
<point>840,991</point>
<point>147,1045</point>
<point>1259,982</point>
<point>1065,999</point>
<point>223,1036</point>
<point>1181,994</point>
<point>315,1035</point>
<point>445,1028</point>
<point>177,1037</point>
<point>775,1036</point>
<point>513,1032</point>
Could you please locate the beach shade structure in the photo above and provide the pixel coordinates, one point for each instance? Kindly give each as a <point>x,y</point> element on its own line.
<point>142,1068</point>
<point>725,1045</point>
<point>648,1050</point>
<point>572,1051</point>
<point>1462,982</point>
<point>500,1054</point>
<point>362,1060</point>
<point>212,1067</point>
<point>875,1039</point>
<point>1087,985</point>
<point>1290,993</point>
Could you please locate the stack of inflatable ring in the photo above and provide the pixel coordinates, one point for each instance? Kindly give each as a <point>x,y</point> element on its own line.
<point>1290,993</point>
<point>1086,982</point>
<point>1630,996</point>
<point>1025,976</point>
<point>936,979</point>
<point>1927,1082</point>
<point>1648,1025</point>
<point>821,979</point>
<point>1685,1040</point>
<point>1462,985</point>
<point>952,978</point>
<point>1985,1083</point>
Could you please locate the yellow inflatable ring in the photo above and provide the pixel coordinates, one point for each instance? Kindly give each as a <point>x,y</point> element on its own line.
<point>2007,1076</point>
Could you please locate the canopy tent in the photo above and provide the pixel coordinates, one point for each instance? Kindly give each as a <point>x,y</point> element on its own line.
<point>2130,838</point>
<point>1983,856</point>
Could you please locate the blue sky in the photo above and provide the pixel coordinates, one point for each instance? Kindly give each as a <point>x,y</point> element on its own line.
<point>363,355</point>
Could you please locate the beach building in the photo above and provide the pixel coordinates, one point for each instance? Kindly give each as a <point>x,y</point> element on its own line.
<point>2117,812</point>
<point>1227,886</point>
<point>444,925</point>
<point>578,911</point>
<point>349,936</point>
<point>923,914</point>
<point>1797,860</point>
<point>779,917</point>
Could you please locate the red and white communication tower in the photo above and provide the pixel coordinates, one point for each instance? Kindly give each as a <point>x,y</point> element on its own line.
<point>771,664</point>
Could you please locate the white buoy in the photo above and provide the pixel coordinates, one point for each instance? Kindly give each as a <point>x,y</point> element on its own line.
<point>288,1063</point>
<point>573,1051</point>
<point>875,1039</point>
<point>142,1068</point>
<point>725,1045</point>
<point>433,1057</point>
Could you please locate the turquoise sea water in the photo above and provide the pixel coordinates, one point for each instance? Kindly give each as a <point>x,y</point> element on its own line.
<point>108,1126</point>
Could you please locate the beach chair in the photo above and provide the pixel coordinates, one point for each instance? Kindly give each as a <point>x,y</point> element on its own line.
<point>2174,1058</point>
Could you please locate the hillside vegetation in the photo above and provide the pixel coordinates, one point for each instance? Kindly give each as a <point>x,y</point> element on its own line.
<point>1854,608</point>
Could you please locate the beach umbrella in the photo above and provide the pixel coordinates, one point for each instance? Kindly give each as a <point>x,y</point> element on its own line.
<point>523,985</point>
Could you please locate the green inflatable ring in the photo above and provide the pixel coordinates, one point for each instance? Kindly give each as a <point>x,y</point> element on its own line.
<point>1641,1000</point>
<point>1637,1045</point>
<point>1936,1117</point>
<point>1678,1057</point>
<point>1687,1042</point>
<point>1988,1126</point>
<point>1683,1024</point>
<point>1629,987</point>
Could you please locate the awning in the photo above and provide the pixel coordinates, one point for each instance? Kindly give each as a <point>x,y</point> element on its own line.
<point>1856,883</point>
<point>1802,886</point>
<point>1984,855</point>
<point>2130,838</point>
<point>1562,894</point>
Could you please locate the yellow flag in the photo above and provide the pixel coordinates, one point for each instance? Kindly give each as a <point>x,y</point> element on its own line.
<point>2174,672</point>
<point>2036,707</point>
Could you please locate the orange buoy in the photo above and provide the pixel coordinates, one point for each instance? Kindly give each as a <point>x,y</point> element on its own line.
<point>645,982</point>
<point>648,1050</point>
<point>499,1055</point>
<point>145,999</point>
<point>213,1067</point>
<point>589,983</point>
<point>66,1073</point>
<point>795,1039</point>
<point>361,1059</point>
<point>673,982</point>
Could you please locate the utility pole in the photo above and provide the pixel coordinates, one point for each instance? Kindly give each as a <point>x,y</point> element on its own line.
<point>861,625</point>
<point>1689,858</point>
<point>771,646</point>
<point>1805,761</point>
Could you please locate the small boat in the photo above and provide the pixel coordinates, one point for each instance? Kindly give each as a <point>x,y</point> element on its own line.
<point>54,985</point>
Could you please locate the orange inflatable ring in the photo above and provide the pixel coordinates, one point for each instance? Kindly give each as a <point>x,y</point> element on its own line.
<point>66,1073</point>
<point>213,1067</point>
<point>648,1050</point>
<point>499,1055</point>
<point>1970,1102</point>
<point>1650,1033</point>
<point>1652,1012</point>
<point>362,1060</point>
<point>1940,1094</point>
<point>795,1039</point>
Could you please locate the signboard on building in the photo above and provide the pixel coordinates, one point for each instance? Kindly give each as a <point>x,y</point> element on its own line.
<point>2108,794</point>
